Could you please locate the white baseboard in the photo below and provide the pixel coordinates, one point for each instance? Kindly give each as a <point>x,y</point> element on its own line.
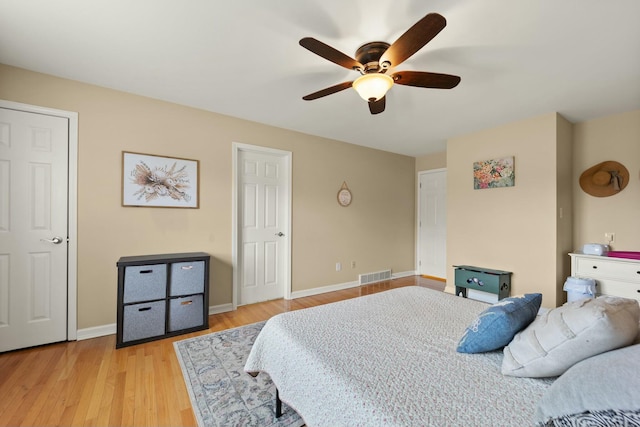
<point>341,286</point>
<point>403,274</point>
<point>96,331</point>
<point>323,289</point>
<point>221,308</point>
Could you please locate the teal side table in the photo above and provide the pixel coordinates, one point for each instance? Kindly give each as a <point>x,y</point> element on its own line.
<point>482,279</point>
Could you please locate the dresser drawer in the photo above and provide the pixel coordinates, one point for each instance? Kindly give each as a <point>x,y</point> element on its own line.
<point>590,267</point>
<point>619,289</point>
<point>145,283</point>
<point>187,278</point>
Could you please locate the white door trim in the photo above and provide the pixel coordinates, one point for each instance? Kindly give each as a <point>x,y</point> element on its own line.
<point>419,213</point>
<point>287,155</point>
<point>72,246</point>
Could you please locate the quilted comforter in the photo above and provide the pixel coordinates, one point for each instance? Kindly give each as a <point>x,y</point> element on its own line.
<point>389,359</point>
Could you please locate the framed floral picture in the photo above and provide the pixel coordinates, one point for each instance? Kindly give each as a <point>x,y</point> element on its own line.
<point>493,173</point>
<point>156,181</point>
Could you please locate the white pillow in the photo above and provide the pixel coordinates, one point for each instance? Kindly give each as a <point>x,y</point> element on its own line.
<point>608,381</point>
<point>563,336</point>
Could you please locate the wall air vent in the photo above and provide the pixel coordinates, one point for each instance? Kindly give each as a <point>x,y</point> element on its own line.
<point>378,276</point>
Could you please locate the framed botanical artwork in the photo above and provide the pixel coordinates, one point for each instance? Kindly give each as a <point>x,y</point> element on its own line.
<point>494,173</point>
<point>156,181</point>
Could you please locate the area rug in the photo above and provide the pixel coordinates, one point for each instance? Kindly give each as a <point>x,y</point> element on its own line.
<point>221,393</point>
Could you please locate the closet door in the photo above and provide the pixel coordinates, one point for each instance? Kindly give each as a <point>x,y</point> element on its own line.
<point>432,223</point>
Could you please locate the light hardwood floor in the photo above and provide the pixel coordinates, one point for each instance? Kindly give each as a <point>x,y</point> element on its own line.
<point>91,383</point>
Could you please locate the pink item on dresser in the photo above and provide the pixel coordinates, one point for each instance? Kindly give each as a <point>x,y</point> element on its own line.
<point>624,254</point>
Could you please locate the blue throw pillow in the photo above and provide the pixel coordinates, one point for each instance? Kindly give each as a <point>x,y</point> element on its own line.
<point>496,326</point>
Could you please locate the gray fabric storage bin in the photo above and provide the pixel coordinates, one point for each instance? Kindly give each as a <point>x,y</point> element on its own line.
<point>187,278</point>
<point>143,320</point>
<point>185,312</point>
<point>145,283</point>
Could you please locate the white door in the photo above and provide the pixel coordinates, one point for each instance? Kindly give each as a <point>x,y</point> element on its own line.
<point>432,223</point>
<point>263,225</point>
<point>33,228</point>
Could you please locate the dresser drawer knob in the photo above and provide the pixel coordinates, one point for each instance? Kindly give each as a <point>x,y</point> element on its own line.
<point>595,266</point>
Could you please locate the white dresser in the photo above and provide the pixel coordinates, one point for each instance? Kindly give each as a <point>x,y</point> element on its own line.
<point>614,276</point>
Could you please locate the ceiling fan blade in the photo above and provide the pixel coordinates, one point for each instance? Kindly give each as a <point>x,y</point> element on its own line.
<point>414,39</point>
<point>425,79</point>
<point>327,91</point>
<point>377,107</point>
<point>329,53</point>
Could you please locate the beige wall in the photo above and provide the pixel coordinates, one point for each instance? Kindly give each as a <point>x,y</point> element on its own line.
<point>514,228</point>
<point>431,161</point>
<point>517,229</point>
<point>564,203</point>
<point>517,222</point>
<point>615,137</point>
<point>376,231</point>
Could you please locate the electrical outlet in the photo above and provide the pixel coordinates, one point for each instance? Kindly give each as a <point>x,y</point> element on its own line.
<point>338,266</point>
<point>609,237</point>
<point>353,264</point>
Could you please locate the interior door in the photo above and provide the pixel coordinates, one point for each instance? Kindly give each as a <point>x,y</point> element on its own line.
<point>432,226</point>
<point>33,228</point>
<point>263,224</point>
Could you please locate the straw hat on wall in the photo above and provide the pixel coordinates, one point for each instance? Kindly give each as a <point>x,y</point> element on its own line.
<point>604,179</point>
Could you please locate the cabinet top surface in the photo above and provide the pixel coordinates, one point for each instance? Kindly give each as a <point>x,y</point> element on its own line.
<point>162,258</point>
<point>481,270</point>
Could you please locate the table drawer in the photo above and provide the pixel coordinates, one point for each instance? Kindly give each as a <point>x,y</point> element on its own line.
<point>589,267</point>
<point>478,280</point>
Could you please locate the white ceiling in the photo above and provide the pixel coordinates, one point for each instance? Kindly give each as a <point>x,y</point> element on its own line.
<point>517,59</point>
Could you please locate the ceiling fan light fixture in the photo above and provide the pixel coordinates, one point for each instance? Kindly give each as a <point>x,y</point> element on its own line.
<point>372,87</point>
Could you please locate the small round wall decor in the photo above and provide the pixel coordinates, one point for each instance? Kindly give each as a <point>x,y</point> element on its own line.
<point>344,195</point>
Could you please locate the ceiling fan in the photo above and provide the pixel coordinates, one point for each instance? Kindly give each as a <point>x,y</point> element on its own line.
<point>374,59</point>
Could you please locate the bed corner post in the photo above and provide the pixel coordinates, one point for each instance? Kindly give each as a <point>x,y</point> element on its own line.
<point>278,404</point>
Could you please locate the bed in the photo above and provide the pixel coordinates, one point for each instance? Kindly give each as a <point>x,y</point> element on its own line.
<point>390,359</point>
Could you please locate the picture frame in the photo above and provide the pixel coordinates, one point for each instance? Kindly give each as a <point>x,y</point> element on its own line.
<point>154,181</point>
<point>494,173</point>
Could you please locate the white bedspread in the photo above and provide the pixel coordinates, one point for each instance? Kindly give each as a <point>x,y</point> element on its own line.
<point>389,359</point>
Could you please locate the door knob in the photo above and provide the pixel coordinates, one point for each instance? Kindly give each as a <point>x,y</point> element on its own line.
<point>280,234</point>
<point>56,240</point>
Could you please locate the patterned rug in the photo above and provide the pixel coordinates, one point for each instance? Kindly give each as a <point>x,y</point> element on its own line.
<point>222,394</point>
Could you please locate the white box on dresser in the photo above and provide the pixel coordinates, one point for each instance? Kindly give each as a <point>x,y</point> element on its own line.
<point>614,276</point>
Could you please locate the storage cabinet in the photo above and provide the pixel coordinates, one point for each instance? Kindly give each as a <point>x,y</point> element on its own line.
<point>614,276</point>
<point>161,296</point>
<point>482,279</point>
